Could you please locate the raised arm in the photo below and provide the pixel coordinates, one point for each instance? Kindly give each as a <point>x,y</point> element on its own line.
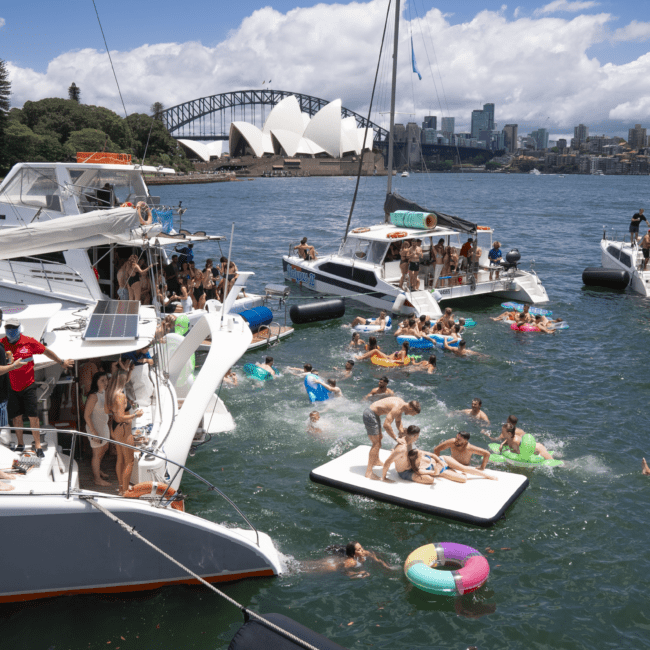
<point>445,444</point>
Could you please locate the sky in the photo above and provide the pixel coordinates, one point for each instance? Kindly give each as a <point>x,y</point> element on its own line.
<point>550,64</point>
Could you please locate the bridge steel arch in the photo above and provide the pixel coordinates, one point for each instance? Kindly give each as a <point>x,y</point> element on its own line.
<point>188,113</point>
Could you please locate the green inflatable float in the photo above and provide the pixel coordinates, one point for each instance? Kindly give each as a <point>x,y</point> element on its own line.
<point>526,456</point>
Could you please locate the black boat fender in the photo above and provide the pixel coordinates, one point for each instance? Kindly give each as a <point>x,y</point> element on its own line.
<point>317,311</point>
<point>597,276</point>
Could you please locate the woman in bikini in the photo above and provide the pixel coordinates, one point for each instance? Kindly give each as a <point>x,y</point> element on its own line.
<point>372,349</point>
<point>404,262</point>
<point>133,271</point>
<point>429,366</point>
<point>401,354</point>
<point>117,405</point>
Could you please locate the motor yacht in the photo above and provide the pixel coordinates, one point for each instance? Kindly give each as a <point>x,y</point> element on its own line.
<point>624,256</point>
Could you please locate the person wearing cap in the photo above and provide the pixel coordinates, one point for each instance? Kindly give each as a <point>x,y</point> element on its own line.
<point>186,254</point>
<point>22,396</point>
<point>6,365</point>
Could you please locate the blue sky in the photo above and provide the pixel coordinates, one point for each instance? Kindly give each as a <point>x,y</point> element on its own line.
<point>542,63</point>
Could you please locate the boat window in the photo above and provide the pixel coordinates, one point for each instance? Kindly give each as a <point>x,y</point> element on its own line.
<point>57,257</point>
<point>34,187</point>
<point>362,276</point>
<point>364,250</point>
<point>125,185</point>
<point>626,259</point>
<point>614,252</point>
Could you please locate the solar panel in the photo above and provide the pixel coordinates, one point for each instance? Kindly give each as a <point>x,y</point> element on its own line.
<point>113,320</point>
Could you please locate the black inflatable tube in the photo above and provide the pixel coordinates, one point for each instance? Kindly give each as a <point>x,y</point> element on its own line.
<point>316,311</point>
<point>253,635</point>
<point>596,276</point>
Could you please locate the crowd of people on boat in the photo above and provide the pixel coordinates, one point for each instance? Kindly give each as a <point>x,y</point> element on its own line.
<point>181,286</point>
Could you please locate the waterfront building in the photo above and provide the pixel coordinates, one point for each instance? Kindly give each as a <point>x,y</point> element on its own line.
<point>540,136</point>
<point>482,120</point>
<point>580,135</point>
<point>448,126</point>
<point>637,137</point>
<point>430,122</point>
<point>510,137</point>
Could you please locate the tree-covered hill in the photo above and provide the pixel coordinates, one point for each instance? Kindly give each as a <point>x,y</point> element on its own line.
<point>53,130</point>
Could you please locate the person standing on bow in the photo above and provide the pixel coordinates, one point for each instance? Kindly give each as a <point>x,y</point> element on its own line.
<point>634,226</point>
<point>22,396</point>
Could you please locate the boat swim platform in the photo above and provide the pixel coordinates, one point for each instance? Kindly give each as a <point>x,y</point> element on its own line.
<point>479,502</point>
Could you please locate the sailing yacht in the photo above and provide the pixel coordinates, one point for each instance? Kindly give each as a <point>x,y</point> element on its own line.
<point>366,266</point>
<point>54,516</point>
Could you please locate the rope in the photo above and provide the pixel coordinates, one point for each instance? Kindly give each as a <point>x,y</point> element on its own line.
<point>132,531</point>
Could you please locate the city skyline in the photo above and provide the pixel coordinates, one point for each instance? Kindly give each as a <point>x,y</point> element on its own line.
<point>545,65</point>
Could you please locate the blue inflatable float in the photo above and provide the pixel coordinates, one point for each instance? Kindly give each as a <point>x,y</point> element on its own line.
<point>315,391</point>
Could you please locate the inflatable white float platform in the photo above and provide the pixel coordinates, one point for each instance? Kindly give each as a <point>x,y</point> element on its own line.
<point>479,501</point>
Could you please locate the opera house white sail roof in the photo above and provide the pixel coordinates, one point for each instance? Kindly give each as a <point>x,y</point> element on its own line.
<point>290,132</point>
<point>204,150</point>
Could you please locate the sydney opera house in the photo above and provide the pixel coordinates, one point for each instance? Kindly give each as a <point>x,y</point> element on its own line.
<point>290,132</point>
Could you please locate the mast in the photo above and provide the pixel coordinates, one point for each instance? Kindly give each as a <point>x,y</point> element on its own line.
<point>392,105</point>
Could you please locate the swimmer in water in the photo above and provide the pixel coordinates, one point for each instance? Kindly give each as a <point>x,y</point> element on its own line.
<point>350,558</point>
<point>646,469</point>
<point>312,426</point>
<point>475,411</point>
<point>380,392</point>
<point>513,441</point>
<point>429,366</point>
<point>347,371</point>
<point>463,351</point>
<point>267,365</point>
<point>305,370</point>
<point>357,341</point>
<point>230,378</point>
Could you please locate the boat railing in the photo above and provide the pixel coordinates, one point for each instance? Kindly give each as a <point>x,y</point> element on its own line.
<point>162,501</point>
<point>45,275</point>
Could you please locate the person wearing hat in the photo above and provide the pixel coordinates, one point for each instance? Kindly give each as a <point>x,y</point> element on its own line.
<point>22,400</point>
<point>6,365</point>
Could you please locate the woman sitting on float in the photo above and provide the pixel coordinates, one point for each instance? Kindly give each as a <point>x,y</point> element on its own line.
<point>372,349</point>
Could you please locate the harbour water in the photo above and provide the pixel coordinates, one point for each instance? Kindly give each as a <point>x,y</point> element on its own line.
<point>569,561</point>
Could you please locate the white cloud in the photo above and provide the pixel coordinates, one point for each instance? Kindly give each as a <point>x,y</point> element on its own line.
<point>2,22</point>
<point>635,31</point>
<point>536,70</point>
<point>566,5</point>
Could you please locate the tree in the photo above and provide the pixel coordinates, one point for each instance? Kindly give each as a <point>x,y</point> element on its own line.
<point>89,140</point>
<point>157,110</point>
<point>74,93</point>
<point>5,95</point>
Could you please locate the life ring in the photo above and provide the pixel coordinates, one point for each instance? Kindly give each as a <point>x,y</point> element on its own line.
<point>389,363</point>
<point>420,569</point>
<point>150,488</point>
<point>483,228</point>
<point>358,230</point>
<point>370,325</point>
<point>397,234</point>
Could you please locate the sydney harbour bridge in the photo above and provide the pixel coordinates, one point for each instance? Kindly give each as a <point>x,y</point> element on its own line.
<point>209,118</point>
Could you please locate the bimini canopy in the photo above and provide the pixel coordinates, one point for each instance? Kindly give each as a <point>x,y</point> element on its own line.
<point>396,202</point>
<point>97,228</point>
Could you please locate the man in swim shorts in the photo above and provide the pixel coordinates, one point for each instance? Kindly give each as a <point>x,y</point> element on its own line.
<point>476,411</point>
<point>645,248</point>
<point>381,321</point>
<point>393,408</point>
<point>414,257</point>
<point>461,450</point>
<point>634,225</point>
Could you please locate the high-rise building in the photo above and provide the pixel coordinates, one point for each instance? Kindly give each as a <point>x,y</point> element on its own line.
<point>561,144</point>
<point>483,120</point>
<point>637,137</point>
<point>541,138</point>
<point>510,137</point>
<point>580,135</point>
<point>430,122</point>
<point>448,126</point>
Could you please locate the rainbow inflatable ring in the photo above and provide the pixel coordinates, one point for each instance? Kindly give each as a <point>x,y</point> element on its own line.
<point>420,569</point>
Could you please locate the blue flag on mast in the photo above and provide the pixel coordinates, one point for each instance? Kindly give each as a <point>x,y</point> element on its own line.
<point>415,65</point>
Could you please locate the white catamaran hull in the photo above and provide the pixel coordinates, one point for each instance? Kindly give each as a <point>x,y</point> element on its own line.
<point>623,257</point>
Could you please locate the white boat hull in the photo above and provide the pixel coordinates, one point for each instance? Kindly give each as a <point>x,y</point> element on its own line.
<point>623,257</point>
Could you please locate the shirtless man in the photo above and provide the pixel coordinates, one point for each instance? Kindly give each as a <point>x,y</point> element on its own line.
<point>306,251</point>
<point>410,330</point>
<point>400,457</point>
<point>475,411</point>
<point>312,425</point>
<point>267,365</point>
<point>301,372</point>
<point>645,249</point>
<point>381,321</point>
<point>512,419</point>
<point>541,326</point>
<point>347,371</point>
<point>380,392</point>
<point>461,450</point>
<point>330,386</point>
<point>513,440</point>
<point>393,408</point>
<point>514,315</point>
<point>462,350</point>
<point>447,319</point>
<point>414,257</point>
<point>438,255</point>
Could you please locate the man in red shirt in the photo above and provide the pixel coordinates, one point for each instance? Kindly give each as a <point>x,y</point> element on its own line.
<point>22,396</point>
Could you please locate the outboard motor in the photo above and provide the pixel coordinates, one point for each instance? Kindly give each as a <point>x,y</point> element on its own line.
<point>512,258</point>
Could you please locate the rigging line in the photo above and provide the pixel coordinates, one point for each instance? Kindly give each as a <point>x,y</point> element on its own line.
<point>132,531</point>
<point>365,134</point>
